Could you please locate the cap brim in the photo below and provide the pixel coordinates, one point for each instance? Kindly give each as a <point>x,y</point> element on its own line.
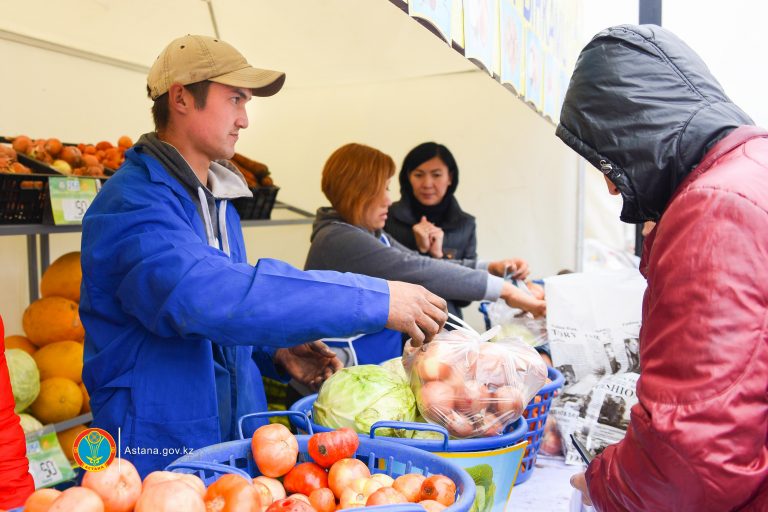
<point>263,82</point>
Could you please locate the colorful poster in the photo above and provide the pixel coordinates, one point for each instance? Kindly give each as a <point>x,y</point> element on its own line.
<point>512,46</point>
<point>436,12</point>
<point>551,87</point>
<point>534,70</point>
<point>481,32</point>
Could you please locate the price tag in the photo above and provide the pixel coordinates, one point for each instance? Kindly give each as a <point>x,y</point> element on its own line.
<point>47,462</point>
<point>70,198</point>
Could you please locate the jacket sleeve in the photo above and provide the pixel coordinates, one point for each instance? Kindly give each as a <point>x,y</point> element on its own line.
<point>144,251</point>
<point>697,438</point>
<point>346,248</point>
<point>15,481</point>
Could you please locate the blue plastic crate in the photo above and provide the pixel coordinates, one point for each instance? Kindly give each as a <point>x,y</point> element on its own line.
<point>381,456</point>
<point>536,416</point>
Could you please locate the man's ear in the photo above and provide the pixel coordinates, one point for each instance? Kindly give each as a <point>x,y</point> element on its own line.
<point>178,98</point>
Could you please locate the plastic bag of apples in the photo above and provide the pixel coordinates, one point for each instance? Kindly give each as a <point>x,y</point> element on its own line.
<point>471,386</point>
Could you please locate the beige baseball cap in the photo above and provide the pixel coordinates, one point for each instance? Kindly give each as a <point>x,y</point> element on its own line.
<point>192,59</point>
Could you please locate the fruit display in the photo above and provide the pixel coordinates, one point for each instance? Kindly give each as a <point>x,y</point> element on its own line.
<point>70,159</point>
<point>46,363</point>
<point>347,482</point>
<point>9,161</point>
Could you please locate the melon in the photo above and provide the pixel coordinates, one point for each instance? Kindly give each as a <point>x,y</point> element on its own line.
<point>86,399</point>
<point>52,319</point>
<point>60,399</point>
<point>22,342</point>
<point>25,378</point>
<point>63,277</point>
<point>61,359</point>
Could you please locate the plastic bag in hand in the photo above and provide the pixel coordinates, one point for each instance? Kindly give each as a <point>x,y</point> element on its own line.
<point>471,386</point>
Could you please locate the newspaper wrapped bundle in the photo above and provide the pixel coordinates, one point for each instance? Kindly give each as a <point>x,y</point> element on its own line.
<point>593,325</point>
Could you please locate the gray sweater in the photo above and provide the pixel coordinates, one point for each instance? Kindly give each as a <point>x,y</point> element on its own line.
<point>337,245</point>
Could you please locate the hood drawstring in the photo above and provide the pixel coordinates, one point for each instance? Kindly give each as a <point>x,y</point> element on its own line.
<point>223,226</point>
<point>212,240</point>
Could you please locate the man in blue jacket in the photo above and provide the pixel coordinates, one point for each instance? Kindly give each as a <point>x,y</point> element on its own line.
<point>175,316</point>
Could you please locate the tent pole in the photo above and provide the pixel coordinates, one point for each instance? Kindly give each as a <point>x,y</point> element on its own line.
<point>15,37</point>
<point>580,207</point>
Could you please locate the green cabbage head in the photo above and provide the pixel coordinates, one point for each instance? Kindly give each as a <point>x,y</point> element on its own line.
<point>29,423</point>
<point>25,378</point>
<point>359,396</point>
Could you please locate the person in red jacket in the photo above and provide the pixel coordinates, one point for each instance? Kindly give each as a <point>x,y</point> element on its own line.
<point>16,483</point>
<point>644,109</point>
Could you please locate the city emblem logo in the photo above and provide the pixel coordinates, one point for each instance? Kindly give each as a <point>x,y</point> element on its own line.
<point>94,449</point>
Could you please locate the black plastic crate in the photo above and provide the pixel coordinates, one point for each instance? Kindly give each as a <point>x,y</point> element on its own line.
<point>259,206</point>
<point>22,198</point>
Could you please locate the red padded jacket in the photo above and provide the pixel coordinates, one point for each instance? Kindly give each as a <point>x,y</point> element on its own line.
<point>698,438</point>
<point>16,483</point>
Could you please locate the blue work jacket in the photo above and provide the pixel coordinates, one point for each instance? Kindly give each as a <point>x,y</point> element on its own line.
<point>158,302</point>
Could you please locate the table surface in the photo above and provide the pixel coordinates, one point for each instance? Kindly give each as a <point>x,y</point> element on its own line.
<point>548,489</point>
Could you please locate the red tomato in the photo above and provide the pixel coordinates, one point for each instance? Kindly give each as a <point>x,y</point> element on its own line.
<point>81,499</point>
<point>274,449</point>
<point>157,477</point>
<point>323,500</point>
<point>232,493</point>
<point>119,485</point>
<point>325,448</point>
<point>432,505</point>
<point>265,495</point>
<point>385,496</point>
<point>276,489</point>
<point>289,505</point>
<point>410,486</point>
<point>343,472</point>
<point>41,500</point>
<point>305,478</point>
<point>439,488</point>
<point>170,496</point>
<point>351,499</point>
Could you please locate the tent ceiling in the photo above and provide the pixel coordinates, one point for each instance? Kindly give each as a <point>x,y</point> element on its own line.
<point>318,43</point>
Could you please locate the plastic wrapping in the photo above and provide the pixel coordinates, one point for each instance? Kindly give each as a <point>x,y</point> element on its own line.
<point>517,324</point>
<point>471,386</point>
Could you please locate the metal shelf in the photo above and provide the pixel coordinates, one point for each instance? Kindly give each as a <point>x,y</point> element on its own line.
<point>33,231</point>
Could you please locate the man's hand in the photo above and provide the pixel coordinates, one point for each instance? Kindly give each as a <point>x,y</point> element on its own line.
<point>415,311</point>
<point>517,298</point>
<point>517,267</point>
<point>579,482</point>
<point>311,363</point>
<point>429,238</point>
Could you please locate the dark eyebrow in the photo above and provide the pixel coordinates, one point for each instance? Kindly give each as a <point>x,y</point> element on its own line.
<point>241,92</point>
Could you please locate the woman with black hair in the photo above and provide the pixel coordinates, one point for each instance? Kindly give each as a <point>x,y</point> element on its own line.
<point>428,218</point>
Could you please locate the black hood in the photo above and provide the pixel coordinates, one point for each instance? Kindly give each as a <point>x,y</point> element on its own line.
<point>644,109</point>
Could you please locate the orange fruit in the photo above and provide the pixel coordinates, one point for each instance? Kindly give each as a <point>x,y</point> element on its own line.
<point>60,399</point>
<point>52,319</point>
<point>22,342</point>
<point>63,277</point>
<point>61,359</point>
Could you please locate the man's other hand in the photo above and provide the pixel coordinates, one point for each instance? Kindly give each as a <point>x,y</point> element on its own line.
<point>415,311</point>
<point>311,363</point>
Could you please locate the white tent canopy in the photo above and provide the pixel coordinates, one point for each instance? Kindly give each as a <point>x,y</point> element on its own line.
<point>357,70</point>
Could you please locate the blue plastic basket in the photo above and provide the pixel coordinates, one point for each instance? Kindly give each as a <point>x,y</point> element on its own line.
<point>235,457</point>
<point>529,427</point>
<point>483,308</point>
<point>535,415</point>
<point>513,434</point>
